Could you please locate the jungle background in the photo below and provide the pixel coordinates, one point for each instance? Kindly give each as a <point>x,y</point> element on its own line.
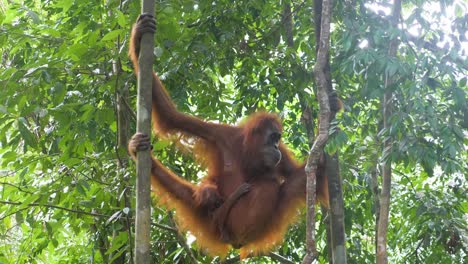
<point>67,109</point>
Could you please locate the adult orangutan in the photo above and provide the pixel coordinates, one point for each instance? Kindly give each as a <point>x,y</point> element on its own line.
<point>254,187</point>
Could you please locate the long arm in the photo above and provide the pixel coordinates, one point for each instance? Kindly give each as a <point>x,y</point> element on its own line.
<point>220,215</point>
<point>294,174</point>
<point>165,181</point>
<point>166,118</point>
<point>203,210</point>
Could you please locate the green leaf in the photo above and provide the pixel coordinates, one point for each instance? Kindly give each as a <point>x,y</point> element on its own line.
<point>118,241</point>
<point>121,19</point>
<point>87,112</point>
<point>462,82</point>
<point>23,173</point>
<point>19,217</point>
<point>9,156</point>
<point>29,199</point>
<point>80,189</point>
<point>26,133</point>
<point>87,203</point>
<point>116,254</point>
<point>161,144</point>
<point>77,51</point>
<point>84,183</point>
<point>112,35</point>
<point>58,92</point>
<point>64,4</point>
<point>71,162</point>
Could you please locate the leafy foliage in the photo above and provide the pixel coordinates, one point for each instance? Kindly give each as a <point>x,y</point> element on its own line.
<point>65,196</point>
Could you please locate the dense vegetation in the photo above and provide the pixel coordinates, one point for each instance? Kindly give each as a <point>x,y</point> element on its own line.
<point>67,101</point>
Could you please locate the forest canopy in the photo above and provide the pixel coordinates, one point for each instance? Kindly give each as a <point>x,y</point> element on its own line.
<point>67,110</point>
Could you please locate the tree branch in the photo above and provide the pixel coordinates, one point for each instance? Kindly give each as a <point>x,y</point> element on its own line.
<point>280,258</point>
<point>15,186</point>
<point>54,207</point>
<point>165,227</point>
<point>182,241</point>
<point>387,109</point>
<point>324,123</point>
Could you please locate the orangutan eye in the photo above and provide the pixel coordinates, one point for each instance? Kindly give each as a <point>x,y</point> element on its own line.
<point>275,137</point>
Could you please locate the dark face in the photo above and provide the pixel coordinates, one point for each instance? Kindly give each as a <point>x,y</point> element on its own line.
<point>270,151</point>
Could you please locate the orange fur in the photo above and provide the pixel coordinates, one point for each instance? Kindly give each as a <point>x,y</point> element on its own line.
<point>256,221</point>
<point>275,233</point>
<point>187,220</point>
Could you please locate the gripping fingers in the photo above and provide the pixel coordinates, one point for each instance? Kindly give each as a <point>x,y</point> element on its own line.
<point>145,15</point>
<point>139,142</point>
<point>244,188</point>
<point>144,142</point>
<point>146,24</point>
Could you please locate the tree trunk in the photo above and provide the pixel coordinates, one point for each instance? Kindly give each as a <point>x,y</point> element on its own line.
<point>338,236</point>
<point>382,254</point>
<point>324,123</point>
<point>375,192</point>
<point>143,188</point>
<point>121,96</point>
<point>336,214</point>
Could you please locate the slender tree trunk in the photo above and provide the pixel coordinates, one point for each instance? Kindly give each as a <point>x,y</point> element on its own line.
<point>382,254</point>
<point>338,236</point>
<point>307,118</point>
<point>122,142</point>
<point>336,214</point>
<point>324,123</point>
<point>317,25</point>
<point>122,114</point>
<point>143,188</point>
<point>123,131</point>
<point>375,192</point>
